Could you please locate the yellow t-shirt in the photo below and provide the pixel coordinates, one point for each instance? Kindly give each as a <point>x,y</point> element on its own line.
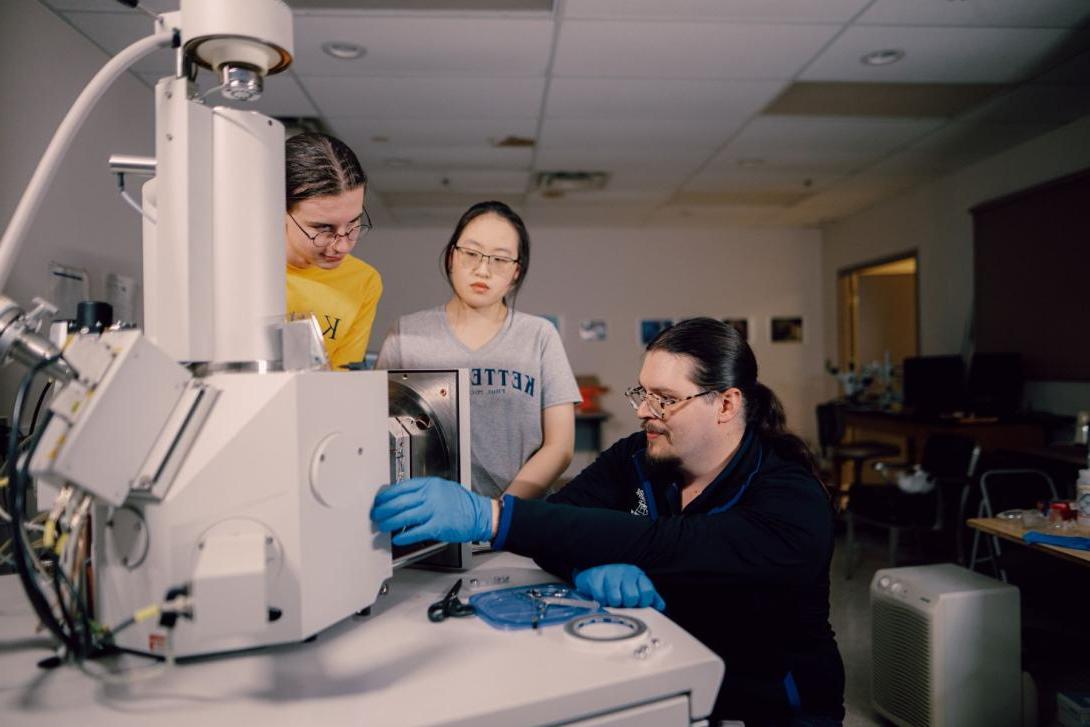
<point>343,300</point>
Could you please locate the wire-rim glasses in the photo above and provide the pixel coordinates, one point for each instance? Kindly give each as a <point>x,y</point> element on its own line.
<point>325,238</point>
<point>499,263</point>
<point>656,404</point>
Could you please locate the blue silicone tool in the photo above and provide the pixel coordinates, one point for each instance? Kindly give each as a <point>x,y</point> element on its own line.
<point>524,607</point>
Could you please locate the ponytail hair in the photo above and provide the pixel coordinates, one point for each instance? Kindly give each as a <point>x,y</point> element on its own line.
<point>723,360</point>
<point>765,412</point>
<point>318,165</point>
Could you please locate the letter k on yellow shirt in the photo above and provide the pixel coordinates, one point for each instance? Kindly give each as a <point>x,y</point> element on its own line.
<point>343,300</point>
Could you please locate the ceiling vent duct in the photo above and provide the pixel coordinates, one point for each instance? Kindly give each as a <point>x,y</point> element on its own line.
<point>558,184</point>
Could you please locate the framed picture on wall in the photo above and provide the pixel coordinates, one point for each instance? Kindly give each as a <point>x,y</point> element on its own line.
<point>594,329</point>
<point>651,327</point>
<point>786,329</point>
<point>740,324</point>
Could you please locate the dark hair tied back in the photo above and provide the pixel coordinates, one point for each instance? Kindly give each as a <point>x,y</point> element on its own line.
<point>504,212</point>
<point>722,360</point>
<point>318,165</point>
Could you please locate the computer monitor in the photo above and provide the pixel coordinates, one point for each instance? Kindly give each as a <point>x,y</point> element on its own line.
<point>995,384</point>
<point>934,385</point>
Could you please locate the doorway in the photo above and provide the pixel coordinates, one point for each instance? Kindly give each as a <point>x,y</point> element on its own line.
<point>878,316</point>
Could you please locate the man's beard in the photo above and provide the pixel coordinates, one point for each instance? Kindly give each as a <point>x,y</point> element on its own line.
<point>662,468</point>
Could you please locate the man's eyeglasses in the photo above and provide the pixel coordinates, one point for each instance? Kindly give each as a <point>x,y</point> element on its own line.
<point>497,263</point>
<point>325,238</point>
<point>658,405</point>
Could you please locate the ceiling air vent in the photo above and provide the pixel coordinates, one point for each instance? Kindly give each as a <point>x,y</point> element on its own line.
<point>558,184</point>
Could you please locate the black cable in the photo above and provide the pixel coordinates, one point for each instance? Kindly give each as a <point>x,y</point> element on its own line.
<point>17,502</point>
<point>38,407</point>
<point>57,575</point>
<point>86,635</point>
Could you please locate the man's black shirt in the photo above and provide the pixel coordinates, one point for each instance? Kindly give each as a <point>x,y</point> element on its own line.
<point>744,568</point>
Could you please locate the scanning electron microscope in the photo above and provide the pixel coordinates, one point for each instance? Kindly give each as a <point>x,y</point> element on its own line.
<point>221,469</point>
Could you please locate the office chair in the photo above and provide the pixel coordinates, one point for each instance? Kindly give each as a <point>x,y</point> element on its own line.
<point>1007,489</point>
<point>831,428</point>
<point>949,459</point>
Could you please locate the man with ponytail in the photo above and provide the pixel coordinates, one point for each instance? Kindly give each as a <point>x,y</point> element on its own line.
<point>712,513</point>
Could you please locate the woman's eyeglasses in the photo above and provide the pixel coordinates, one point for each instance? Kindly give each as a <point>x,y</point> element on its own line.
<point>496,263</point>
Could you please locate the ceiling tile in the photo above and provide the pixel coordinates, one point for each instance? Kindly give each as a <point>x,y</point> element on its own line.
<point>790,11</point>
<point>630,132</point>
<point>785,180</point>
<point>936,55</point>
<point>772,156</point>
<point>113,32</point>
<point>644,198</point>
<point>433,132</point>
<point>1036,104</point>
<point>420,45</point>
<point>438,158</point>
<point>687,215</point>
<point>648,158</point>
<point>686,50</point>
<point>426,98</point>
<point>658,99</point>
<point>644,183</point>
<point>847,197</point>
<point>981,13</point>
<point>965,142</point>
<point>386,179</point>
<point>791,138</point>
<point>754,196</point>
<point>880,99</point>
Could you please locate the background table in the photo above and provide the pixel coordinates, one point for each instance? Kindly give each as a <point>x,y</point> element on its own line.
<point>1012,530</point>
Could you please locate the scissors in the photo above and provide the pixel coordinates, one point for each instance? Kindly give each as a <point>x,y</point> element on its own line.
<point>450,606</point>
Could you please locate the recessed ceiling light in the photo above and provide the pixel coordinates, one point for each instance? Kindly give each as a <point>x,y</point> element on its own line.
<point>882,57</point>
<point>343,51</point>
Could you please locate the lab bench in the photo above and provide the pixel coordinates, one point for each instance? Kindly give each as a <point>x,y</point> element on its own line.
<point>390,667</point>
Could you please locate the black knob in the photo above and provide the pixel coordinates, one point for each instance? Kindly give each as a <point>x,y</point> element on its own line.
<point>94,315</point>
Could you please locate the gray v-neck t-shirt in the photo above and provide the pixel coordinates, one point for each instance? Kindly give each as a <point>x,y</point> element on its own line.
<point>520,372</point>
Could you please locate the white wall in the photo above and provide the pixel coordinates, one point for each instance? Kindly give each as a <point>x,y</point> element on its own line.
<point>622,275</point>
<point>935,219</point>
<point>82,220</point>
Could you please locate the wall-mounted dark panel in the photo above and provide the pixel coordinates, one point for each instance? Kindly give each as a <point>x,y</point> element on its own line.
<point>1032,278</point>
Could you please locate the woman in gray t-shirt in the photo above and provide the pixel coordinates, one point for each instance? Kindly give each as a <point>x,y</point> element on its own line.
<point>522,391</point>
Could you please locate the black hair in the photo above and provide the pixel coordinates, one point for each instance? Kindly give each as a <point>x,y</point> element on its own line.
<point>722,360</point>
<point>318,165</point>
<point>505,212</point>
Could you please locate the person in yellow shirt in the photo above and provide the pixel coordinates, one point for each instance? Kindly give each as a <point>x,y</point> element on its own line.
<point>325,219</point>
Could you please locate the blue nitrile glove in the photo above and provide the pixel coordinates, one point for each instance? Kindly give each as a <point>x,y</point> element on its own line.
<point>431,508</point>
<point>619,584</point>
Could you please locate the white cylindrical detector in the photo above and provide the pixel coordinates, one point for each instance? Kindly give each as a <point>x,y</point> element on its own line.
<point>253,33</point>
<point>248,248</point>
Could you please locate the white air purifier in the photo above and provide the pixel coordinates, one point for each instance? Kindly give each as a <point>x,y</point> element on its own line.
<point>945,648</point>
